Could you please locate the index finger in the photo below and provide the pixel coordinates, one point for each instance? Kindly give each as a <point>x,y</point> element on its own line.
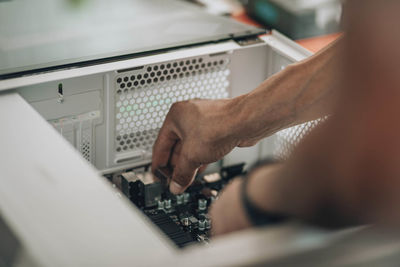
<point>163,147</point>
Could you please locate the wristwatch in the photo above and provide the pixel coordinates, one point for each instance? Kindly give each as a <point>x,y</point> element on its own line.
<point>257,216</point>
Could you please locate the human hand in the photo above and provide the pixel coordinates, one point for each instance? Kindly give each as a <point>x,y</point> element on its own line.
<point>227,212</point>
<point>194,134</point>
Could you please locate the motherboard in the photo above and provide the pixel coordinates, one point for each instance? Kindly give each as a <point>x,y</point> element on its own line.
<point>183,218</point>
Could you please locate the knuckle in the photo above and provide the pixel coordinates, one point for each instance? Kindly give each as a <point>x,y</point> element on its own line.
<point>182,180</point>
<point>174,106</point>
<point>190,160</point>
<point>177,106</point>
<point>176,111</point>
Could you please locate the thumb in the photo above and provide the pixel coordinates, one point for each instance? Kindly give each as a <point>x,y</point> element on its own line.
<point>183,175</point>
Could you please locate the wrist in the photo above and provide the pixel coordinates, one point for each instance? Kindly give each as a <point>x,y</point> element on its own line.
<point>245,123</point>
<point>262,189</point>
<point>235,124</point>
<point>271,106</point>
<point>227,212</point>
<point>257,213</point>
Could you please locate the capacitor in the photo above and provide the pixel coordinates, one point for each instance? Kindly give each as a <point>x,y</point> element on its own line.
<point>202,204</point>
<point>208,223</point>
<point>193,220</point>
<point>186,222</point>
<point>179,199</point>
<point>202,225</point>
<point>167,204</point>
<point>186,197</point>
<point>160,205</point>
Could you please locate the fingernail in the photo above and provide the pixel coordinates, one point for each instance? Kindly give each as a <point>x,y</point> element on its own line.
<point>175,188</point>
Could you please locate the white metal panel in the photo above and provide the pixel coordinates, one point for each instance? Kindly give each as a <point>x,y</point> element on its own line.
<point>56,203</point>
<point>123,64</point>
<point>286,46</point>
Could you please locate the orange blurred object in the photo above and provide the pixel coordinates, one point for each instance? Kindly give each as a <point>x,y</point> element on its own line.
<point>313,44</point>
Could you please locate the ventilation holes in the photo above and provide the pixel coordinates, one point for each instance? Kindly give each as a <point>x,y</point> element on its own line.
<point>289,138</point>
<point>143,97</point>
<point>85,146</point>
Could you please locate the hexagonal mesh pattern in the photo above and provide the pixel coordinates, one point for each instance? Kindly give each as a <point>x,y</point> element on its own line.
<point>85,145</point>
<point>144,96</point>
<point>289,138</point>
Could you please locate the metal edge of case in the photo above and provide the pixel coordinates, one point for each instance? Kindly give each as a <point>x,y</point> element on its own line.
<point>286,46</point>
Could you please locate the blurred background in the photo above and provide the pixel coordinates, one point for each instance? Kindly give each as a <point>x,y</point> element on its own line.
<point>298,19</point>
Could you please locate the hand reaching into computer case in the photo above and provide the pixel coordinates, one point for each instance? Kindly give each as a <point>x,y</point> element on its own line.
<point>194,134</point>
<point>199,132</point>
<point>344,172</point>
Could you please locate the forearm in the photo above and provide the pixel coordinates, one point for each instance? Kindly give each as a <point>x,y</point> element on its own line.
<point>349,165</point>
<point>301,92</point>
<point>275,190</point>
<point>304,91</point>
<point>268,191</point>
<point>271,192</point>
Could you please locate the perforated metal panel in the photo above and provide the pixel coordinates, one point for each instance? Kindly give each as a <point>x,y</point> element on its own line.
<point>289,138</point>
<point>78,130</point>
<point>85,144</point>
<point>144,95</point>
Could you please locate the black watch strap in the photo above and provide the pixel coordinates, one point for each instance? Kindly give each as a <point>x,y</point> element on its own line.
<point>257,216</point>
